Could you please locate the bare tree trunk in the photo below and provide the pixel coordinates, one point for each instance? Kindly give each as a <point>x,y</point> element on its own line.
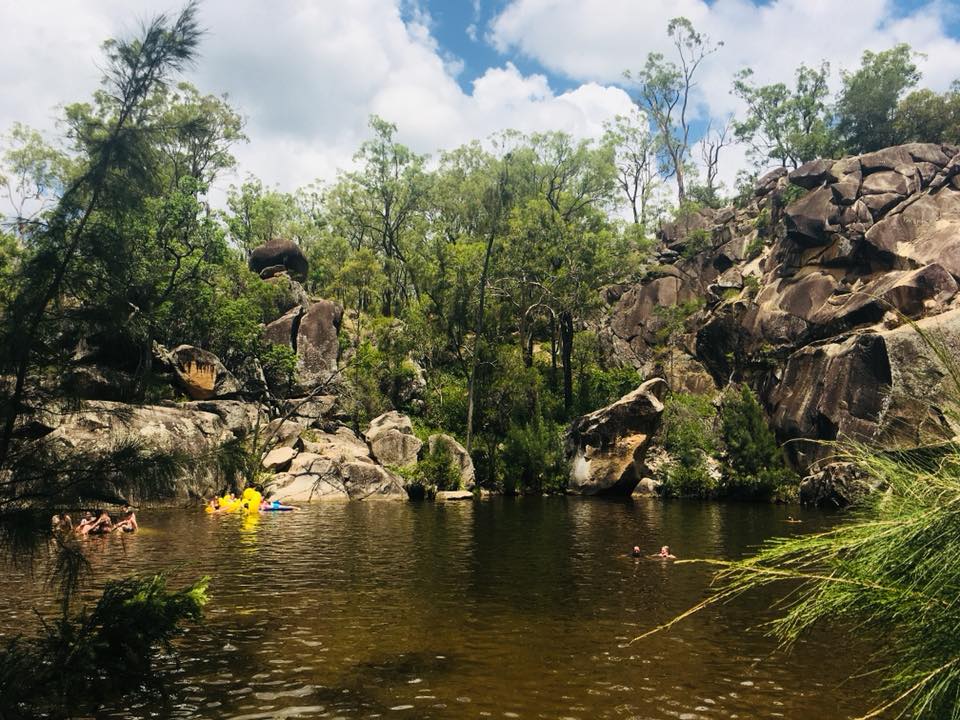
<point>566,350</point>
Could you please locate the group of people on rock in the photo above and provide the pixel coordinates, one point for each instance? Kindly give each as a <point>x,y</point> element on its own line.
<point>251,501</point>
<point>96,523</point>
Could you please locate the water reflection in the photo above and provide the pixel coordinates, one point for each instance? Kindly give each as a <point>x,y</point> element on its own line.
<point>502,608</point>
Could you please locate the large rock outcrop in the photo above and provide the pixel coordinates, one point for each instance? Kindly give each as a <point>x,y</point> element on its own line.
<point>607,446</point>
<point>392,440</point>
<point>803,292</point>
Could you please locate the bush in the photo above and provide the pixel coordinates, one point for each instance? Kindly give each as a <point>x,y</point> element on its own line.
<point>689,437</point>
<point>755,463</point>
<point>436,471</point>
<point>533,458</point>
<point>99,654</point>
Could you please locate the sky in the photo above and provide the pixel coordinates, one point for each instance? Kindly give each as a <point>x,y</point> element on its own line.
<point>306,74</point>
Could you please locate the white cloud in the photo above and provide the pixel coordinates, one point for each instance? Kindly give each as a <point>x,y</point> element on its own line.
<point>596,40</point>
<point>306,75</point>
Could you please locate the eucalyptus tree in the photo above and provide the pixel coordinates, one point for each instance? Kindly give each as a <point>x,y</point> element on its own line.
<point>867,103</point>
<point>788,125</point>
<point>382,202</point>
<point>635,156</point>
<point>665,92</point>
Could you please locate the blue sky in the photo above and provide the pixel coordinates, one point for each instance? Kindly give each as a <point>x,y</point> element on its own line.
<point>307,74</point>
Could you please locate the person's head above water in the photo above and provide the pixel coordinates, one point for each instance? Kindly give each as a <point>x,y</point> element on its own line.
<point>636,552</point>
<point>665,550</point>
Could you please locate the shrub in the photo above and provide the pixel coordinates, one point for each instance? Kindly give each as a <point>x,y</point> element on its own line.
<point>533,458</point>
<point>99,654</point>
<point>689,437</point>
<point>755,463</point>
<point>437,470</point>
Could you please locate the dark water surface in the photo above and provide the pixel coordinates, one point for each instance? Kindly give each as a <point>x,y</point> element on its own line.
<point>494,609</point>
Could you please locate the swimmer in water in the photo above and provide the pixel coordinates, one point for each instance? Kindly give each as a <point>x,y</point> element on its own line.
<point>636,552</point>
<point>664,554</point>
<point>792,519</point>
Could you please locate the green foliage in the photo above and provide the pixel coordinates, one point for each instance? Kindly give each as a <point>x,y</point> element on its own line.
<point>696,242</point>
<point>77,663</point>
<point>690,437</point>
<point>533,458</point>
<point>789,125</point>
<point>436,471</point>
<point>279,364</point>
<point>926,116</point>
<point>868,101</point>
<point>791,193</point>
<point>755,462</point>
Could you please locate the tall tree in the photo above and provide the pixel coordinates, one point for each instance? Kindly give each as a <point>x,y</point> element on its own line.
<point>635,155</point>
<point>111,157</point>
<point>665,93</point>
<point>788,125</point>
<point>383,201</point>
<point>868,100</point>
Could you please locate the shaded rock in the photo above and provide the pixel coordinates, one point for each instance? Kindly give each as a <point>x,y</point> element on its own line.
<point>927,231</point>
<point>888,181</point>
<point>240,417</point>
<point>837,485</point>
<point>101,426</point>
<point>392,440</point>
<point>768,182</point>
<point>811,218</point>
<point>317,344</point>
<point>91,382</point>
<point>283,331</point>
<point>607,446</point>
<point>280,253</point>
<point>468,475</point>
<point>813,174</point>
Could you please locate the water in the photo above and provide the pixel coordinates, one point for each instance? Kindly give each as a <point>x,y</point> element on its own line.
<point>496,609</point>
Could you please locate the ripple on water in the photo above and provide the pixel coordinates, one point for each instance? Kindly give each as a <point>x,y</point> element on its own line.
<point>513,609</point>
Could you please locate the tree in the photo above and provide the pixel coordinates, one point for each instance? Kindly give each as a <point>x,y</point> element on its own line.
<point>257,215</point>
<point>868,100</point>
<point>790,126</point>
<point>112,148</point>
<point>927,116</point>
<point>714,140</point>
<point>664,92</point>
<point>635,155</point>
<point>381,203</point>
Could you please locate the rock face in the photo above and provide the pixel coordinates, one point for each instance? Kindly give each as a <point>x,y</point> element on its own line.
<point>278,256</point>
<point>837,485</point>
<point>201,374</point>
<point>101,426</point>
<point>607,446</point>
<point>468,475</point>
<point>318,345</point>
<point>330,466</point>
<point>392,440</point>
<point>803,293</point>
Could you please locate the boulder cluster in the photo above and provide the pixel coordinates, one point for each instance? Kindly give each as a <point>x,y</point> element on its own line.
<point>813,292</point>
